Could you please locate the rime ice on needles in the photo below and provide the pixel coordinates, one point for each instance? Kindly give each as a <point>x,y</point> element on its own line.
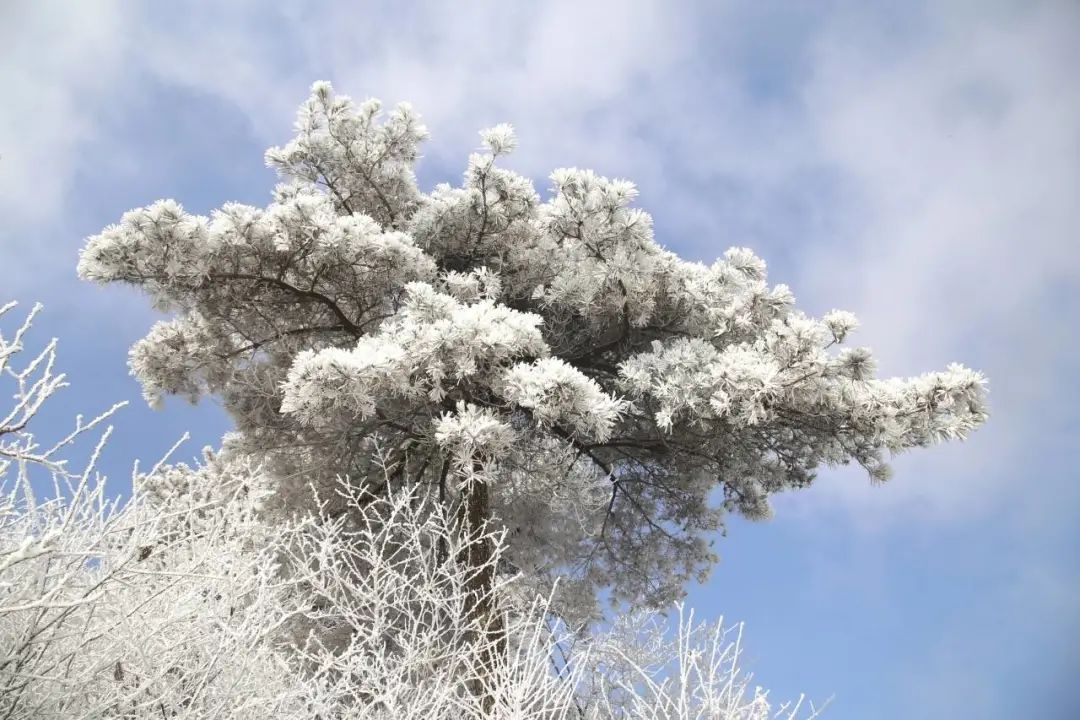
<point>470,432</point>
<point>499,140</point>
<point>355,311</point>
<point>557,392</point>
<point>432,346</point>
<point>841,323</point>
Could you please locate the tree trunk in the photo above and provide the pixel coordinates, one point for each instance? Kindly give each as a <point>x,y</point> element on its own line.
<point>476,510</point>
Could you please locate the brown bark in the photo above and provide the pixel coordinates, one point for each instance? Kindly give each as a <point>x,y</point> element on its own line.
<point>477,558</point>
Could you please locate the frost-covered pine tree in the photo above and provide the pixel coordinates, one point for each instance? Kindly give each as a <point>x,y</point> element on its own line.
<point>539,365</point>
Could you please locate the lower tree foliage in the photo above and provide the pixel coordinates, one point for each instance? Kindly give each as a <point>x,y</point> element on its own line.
<point>182,603</point>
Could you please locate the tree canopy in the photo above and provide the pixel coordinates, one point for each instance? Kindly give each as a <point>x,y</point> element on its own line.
<point>542,364</point>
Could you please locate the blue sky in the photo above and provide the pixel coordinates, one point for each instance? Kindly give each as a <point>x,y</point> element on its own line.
<point>918,164</point>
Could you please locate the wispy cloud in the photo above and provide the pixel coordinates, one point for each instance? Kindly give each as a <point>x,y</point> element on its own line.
<point>558,70</point>
<point>60,61</point>
<point>964,158</point>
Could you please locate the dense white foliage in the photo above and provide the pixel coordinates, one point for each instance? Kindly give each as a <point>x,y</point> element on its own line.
<point>182,603</point>
<point>610,385</point>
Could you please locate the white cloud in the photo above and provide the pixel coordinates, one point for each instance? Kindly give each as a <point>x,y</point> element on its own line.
<point>58,59</point>
<point>548,68</point>
<point>965,153</point>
